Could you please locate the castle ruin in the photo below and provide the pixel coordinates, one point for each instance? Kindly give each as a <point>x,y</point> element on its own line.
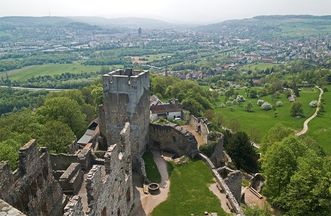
<point>126,99</point>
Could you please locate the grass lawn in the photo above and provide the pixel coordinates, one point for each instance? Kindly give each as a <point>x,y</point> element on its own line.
<point>320,127</point>
<point>258,122</point>
<point>189,193</point>
<point>48,69</point>
<point>151,168</point>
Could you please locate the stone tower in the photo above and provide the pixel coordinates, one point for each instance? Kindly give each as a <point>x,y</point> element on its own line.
<point>126,99</point>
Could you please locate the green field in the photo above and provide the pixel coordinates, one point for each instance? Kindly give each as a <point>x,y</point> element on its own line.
<point>48,69</point>
<point>258,122</point>
<point>189,193</point>
<point>320,127</point>
<point>151,168</point>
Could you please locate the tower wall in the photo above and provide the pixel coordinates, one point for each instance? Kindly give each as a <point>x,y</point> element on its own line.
<point>126,99</point>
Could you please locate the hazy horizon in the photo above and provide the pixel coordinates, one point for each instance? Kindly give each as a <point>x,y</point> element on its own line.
<point>184,11</point>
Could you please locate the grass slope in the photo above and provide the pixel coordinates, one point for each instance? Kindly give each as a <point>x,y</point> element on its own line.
<point>48,69</point>
<point>151,168</point>
<point>320,127</point>
<point>189,193</point>
<point>258,122</point>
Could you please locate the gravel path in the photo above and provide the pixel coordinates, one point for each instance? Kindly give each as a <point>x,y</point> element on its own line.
<point>305,124</point>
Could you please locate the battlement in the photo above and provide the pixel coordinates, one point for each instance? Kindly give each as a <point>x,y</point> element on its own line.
<point>125,81</point>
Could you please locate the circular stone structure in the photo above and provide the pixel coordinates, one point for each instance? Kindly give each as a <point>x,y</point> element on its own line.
<point>154,188</point>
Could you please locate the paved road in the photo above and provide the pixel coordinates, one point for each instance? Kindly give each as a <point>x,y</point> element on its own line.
<point>34,89</point>
<point>305,124</point>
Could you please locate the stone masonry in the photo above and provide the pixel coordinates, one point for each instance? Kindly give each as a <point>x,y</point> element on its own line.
<point>126,99</point>
<point>109,188</point>
<point>32,188</point>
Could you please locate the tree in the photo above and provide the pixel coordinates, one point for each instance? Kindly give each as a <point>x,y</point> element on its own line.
<point>279,164</point>
<point>242,152</point>
<point>249,107</point>
<point>297,110</point>
<point>275,134</point>
<point>65,110</point>
<point>57,136</point>
<point>308,192</point>
<point>9,152</point>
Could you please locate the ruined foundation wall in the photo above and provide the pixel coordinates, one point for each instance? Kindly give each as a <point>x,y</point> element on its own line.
<point>199,125</point>
<point>174,139</point>
<point>33,189</point>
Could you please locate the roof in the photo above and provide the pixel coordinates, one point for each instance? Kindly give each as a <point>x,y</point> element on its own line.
<point>165,108</point>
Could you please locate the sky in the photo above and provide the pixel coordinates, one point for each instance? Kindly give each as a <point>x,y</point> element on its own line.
<point>179,11</point>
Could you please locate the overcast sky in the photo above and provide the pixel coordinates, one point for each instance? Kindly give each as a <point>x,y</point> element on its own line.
<point>183,11</point>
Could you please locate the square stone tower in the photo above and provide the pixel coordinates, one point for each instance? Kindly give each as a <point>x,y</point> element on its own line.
<point>126,99</point>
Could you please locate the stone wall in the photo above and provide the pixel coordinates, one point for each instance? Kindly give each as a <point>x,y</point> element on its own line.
<point>109,188</point>
<point>126,99</point>
<point>8,210</point>
<point>173,139</point>
<point>33,189</point>
<point>218,155</point>
<point>200,125</point>
<point>220,181</point>
<point>74,207</point>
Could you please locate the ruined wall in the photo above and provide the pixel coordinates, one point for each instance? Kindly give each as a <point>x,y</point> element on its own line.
<point>33,189</point>
<point>126,99</point>
<point>218,155</point>
<point>200,126</point>
<point>174,139</point>
<point>109,187</point>
<point>8,210</point>
<point>231,199</point>
<point>234,180</point>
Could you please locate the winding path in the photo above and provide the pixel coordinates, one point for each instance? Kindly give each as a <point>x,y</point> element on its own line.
<point>305,124</point>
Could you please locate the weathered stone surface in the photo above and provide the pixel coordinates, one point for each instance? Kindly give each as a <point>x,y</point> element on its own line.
<point>74,207</point>
<point>32,189</point>
<point>200,125</point>
<point>8,210</point>
<point>234,180</point>
<point>173,139</point>
<point>109,188</point>
<point>126,99</point>
<point>218,156</point>
<point>72,179</point>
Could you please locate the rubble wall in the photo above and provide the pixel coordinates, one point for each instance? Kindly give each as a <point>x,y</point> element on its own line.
<point>174,139</point>
<point>32,189</point>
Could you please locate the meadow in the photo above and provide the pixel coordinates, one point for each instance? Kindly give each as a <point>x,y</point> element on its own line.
<point>258,122</point>
<point>189,193</point>
<point>320,127</point>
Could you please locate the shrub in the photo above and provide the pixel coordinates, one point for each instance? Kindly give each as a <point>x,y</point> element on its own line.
<point>266,106</point>
<point>260,102</point>
<point>313,103</point>
<point>279,104</point>
<point>240,99</point>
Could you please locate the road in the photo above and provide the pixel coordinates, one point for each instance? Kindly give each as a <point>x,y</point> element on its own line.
<point>34,89</point>
<point>305,124</point>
